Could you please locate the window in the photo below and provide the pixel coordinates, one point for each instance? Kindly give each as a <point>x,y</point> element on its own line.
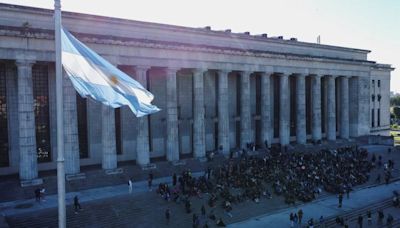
<point>40,86</point>
<point>372,118</point>
<point>82,126</point>
<point>379,83</point>
<point>118,130</point>
<point>4,160</point>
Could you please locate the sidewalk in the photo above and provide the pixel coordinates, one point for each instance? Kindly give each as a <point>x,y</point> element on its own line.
<point>30,205</point>
<point>326,207</point>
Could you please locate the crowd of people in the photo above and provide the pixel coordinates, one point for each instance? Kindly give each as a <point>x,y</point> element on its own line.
<point>297,176</point>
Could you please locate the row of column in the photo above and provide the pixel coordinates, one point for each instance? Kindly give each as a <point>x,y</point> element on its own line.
<point>316,118</point>
<point>27,139</point>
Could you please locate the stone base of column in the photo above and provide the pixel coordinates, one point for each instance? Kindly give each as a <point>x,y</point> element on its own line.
<point>78,176</point>
<point>178,163</point>
<point>149,166</point>
<point>33,182</point>
<point>114,171</point>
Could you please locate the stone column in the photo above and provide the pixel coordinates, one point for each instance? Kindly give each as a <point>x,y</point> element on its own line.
<point>108,139</point>
<point>28,170</point>
<point>284,109</point>
<point>301,135</point>
<point>172,116</point>
<point>266,128</point>
<point>344,111</point>
<point>223,111</point>
<point>331,109</point>
<point>12,115</point>
<point>245,112</point>
<point>142,137</point>
<point>71,140</point>
<point>199,147</point>
<point>316,107</point>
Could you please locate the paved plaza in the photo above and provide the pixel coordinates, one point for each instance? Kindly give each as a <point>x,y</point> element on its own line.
<point>113,206</point>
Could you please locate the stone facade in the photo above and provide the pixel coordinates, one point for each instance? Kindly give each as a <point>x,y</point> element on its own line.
<point>215,93</point>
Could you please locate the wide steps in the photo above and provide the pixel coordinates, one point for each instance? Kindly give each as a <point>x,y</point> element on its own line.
<point>353,215</point>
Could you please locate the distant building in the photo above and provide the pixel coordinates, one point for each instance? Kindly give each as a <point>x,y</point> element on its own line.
<point>218,90</point>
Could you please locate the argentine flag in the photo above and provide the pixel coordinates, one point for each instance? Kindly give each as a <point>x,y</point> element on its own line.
<point>93,76</point>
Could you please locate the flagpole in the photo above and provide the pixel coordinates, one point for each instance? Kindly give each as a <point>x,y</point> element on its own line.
<point>60,124</point>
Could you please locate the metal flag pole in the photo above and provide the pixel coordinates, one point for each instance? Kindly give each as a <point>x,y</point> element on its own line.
<point>60,124</point>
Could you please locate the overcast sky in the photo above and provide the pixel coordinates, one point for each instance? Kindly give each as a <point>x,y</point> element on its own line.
<point>373,25</point>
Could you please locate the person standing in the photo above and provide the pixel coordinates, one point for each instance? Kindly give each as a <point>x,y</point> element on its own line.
<point>300,215</point>
<point>291,217</point>
<point>360,221</point>
<point>340,199</point>
<point>389,220</point>
<point>77,205</point>
<point>295,219</point>
<point>203,211</point>
<point>348,189</point>
<point>322,221</point>
<point>130,185</point>
<point>369,217</point>
<point>167,215</point>
<point>150,181</point>
<point>174,179</point>
<point>42,192</point>
<point>37,195</point>
<point>381,216</point>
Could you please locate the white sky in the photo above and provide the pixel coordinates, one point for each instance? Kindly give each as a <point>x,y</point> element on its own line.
<point>373,25</point>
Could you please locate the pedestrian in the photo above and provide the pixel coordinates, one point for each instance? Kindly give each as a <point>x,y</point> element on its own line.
<point>42,192</point>
<point>167,215</point>
<point>187,206</point>
<point>174,179</point>
<point>295,219</point>
<point>387,178</point>
<point>378,178</point>
<point>340,199</point>
<point>37,195</point>
<point>194,220</point>
<point>300,215</point>
<point>150,181</point>
<point>130,185</point>
<point>348,189</point>
<point>381,216</point>
<point>310,223</point>
<point>203,211</point>
<point>389,220</point>
<point>321,221</point>
<point>77,205</point>
<point>369,217</point>
<point>291,217</point>
<point>360,221</point>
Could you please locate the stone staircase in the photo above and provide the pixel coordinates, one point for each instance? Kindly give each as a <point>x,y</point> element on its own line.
<point>351,217</point>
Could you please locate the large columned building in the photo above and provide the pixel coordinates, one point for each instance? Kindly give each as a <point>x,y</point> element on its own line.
<point>218,90</point>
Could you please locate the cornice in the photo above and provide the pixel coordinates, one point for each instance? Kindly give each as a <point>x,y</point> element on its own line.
<point>196,31</point>
<point>36,33</point>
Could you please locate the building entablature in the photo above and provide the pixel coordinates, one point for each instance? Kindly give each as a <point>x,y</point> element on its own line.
<point>119,30</point>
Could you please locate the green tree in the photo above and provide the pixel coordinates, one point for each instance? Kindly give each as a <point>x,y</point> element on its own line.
<point>395,101</point>
<point>396,112</point>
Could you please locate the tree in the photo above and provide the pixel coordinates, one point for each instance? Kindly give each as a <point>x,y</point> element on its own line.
<point>395,101</point>
<point>396,112</point>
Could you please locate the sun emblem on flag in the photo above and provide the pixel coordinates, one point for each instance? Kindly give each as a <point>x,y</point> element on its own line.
<point>114,80</point>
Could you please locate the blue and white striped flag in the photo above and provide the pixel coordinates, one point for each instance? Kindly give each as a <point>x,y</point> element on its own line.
<point>93,76</point>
